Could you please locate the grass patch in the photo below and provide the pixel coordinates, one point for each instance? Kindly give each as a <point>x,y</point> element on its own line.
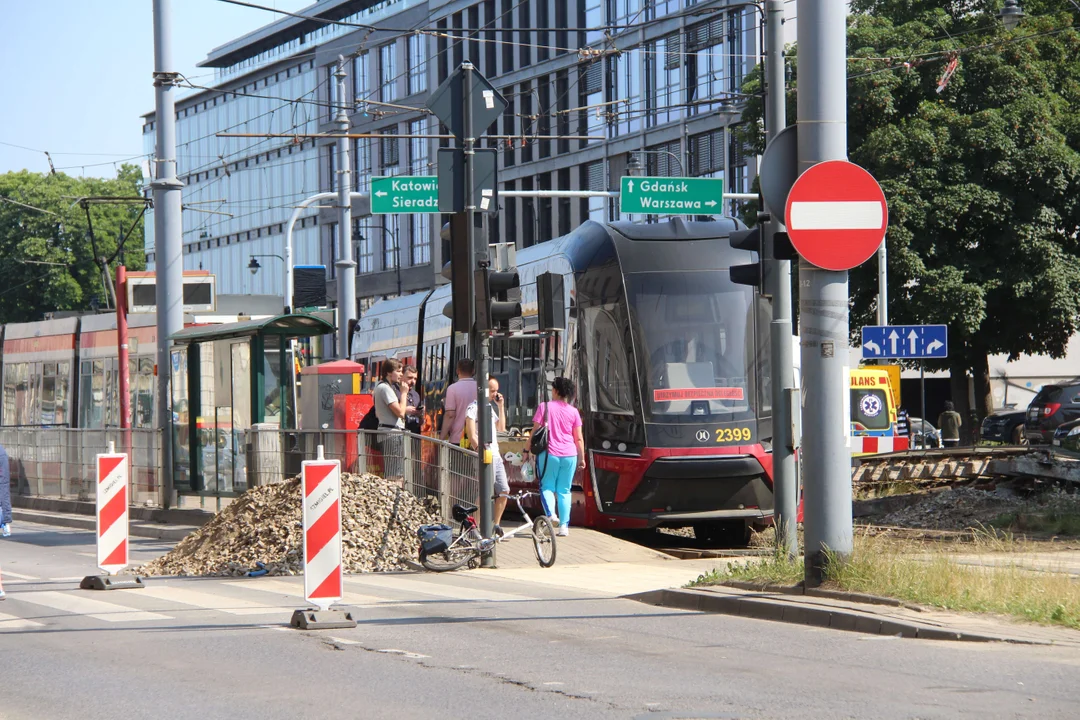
<point>932,577</point>
<point>1052,522</point>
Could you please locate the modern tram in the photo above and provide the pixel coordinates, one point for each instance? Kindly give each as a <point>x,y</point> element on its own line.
<point>670,359</point>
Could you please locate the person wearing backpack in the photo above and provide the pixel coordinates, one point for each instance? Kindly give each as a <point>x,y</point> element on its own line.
<point>391,407</point>
<point>565,453</point>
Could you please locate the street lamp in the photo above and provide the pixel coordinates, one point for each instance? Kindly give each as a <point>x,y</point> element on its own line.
<point>1011,14</point>
<point>633,165</point>
<point>254,267</point>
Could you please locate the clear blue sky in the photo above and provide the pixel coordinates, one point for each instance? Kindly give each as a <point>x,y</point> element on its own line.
<point>77,73</point>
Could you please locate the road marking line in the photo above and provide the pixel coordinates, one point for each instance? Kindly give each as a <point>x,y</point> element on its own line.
<point>96,609</point>
<point>344,641</point>
<point>403,653</point>
<point>210,601</point>
<point>10,622</point>
<point>283,587</point>
<point>438,589</point>
<point>17,576</point>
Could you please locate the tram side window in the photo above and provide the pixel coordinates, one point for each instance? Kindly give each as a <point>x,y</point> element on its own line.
<point>26,392</point>
<point>608,366</point>
<point>142,388</point>
<point>10,375</point>
<point>48,394</point>
<point>63,380</point>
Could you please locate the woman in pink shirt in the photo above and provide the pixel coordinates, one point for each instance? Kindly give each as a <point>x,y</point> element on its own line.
<point>565,454</point>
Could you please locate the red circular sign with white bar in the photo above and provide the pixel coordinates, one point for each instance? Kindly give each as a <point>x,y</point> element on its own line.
<point>836,215</point>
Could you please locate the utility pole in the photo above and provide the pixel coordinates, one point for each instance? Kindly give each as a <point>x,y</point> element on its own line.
<point>823,296</point>
<point>785,478</point>
<point>168,234</point>
<point>346,266</point>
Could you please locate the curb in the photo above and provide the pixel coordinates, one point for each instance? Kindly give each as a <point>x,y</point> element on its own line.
<point>137,513</point>
<point>822,593</point>
<point>779,609</point>
<point>171,533</point>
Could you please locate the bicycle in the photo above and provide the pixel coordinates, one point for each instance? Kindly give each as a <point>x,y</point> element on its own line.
<point>445,552</point>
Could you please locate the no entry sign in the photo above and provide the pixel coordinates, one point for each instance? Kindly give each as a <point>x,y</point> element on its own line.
<point>836,215</point>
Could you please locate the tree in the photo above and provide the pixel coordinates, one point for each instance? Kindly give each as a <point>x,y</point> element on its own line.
<point>49,263</point>
<point>974,133</point>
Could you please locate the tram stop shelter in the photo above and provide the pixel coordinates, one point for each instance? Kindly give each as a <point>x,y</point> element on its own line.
<point>225,380</point>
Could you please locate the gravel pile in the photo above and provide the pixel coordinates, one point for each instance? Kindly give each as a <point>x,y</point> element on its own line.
<point>263,525</point>
<point>956,508</point>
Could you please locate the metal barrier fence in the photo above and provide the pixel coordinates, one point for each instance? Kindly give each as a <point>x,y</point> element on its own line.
<point>427,467</point>
<point>59,462</point>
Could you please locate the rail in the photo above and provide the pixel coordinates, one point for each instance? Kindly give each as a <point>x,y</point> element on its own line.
<point>425,466</point>
<point>59,462</point>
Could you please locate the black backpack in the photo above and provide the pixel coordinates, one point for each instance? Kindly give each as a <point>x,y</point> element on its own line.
<point>370,421</point>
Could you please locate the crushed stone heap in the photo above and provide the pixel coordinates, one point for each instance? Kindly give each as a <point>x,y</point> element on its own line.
<point>263,525</point>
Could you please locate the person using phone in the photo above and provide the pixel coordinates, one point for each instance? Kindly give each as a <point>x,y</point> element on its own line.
<point>414,421</point>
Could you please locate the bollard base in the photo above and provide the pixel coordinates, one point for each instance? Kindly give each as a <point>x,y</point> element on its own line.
<point>312,619</point>
<point>111,582</point>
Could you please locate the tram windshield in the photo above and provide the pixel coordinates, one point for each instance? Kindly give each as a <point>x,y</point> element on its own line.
<point>695,340</point>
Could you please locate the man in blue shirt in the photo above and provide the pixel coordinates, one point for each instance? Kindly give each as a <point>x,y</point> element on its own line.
<point>5,493</point>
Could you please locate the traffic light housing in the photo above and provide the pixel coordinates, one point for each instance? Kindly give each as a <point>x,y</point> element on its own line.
<point>457,271</point>
<point>750,274</point>
<point>782,247</point>
<point>502,299</point>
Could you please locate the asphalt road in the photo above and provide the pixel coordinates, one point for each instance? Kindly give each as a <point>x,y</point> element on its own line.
<point>464,645</point>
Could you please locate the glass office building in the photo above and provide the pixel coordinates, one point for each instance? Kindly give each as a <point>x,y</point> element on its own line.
<point>590,83</point>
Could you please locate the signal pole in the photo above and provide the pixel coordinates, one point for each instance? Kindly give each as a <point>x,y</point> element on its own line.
<point>823,296</point>
<point>785,479</point>
<point>479,335</point>
<point>168,234</point>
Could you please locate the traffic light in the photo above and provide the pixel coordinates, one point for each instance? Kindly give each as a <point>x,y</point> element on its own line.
<point>503,299</point>
<point>782,249</point>
<point>457,272</point>
<point>750,274</point>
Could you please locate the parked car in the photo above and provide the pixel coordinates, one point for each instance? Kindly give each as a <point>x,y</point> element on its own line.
<point>1067,438</point>
<point>1052,407</point>
<point>1004,426</point>
<point>924,435</point>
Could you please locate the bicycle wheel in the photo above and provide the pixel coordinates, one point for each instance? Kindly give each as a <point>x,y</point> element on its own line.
<point>454,557</point>
<point>544,541</point>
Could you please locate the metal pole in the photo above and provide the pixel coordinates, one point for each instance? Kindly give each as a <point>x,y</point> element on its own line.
<point>823,297</point>
<point>785,478</point>
<point>481,341</point>
<point>168,234</point>
<point>922,386</point>
<point>883,282</point>
<point>122,357</point>
<point>346,266</point>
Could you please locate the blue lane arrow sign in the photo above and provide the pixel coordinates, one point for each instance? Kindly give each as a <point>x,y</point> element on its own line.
<point>905,341</point>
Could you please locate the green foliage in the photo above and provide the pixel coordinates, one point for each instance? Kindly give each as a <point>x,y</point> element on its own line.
<point>29,237</point>
<point>982,178</point>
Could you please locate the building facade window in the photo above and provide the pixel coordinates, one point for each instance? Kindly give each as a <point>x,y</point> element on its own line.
<point>593,178</point>
<point>417,64</point>
<point>592,119</point>
<point>591,18</point>
<point>391,235</point>
<point>389,157</point>
<point>419,223</point>
<point>362,155</point>
<point>361,79</point>
<point>624,90</point>
<point>365,249</point>
<point>388,72</point>
<point>663,75</point>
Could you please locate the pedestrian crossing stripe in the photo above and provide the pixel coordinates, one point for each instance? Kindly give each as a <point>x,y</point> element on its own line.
<point>11,622</point>
<point>209,601</point>
<point>97,609</point>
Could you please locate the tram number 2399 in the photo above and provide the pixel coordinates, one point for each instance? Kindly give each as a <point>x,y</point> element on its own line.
<point>733,434</point>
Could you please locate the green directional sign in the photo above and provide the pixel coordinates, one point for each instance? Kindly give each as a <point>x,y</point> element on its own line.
<point>404,194</point>
<point>672,196</point>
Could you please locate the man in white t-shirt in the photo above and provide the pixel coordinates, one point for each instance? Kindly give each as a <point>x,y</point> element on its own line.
<point>498,424</point>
